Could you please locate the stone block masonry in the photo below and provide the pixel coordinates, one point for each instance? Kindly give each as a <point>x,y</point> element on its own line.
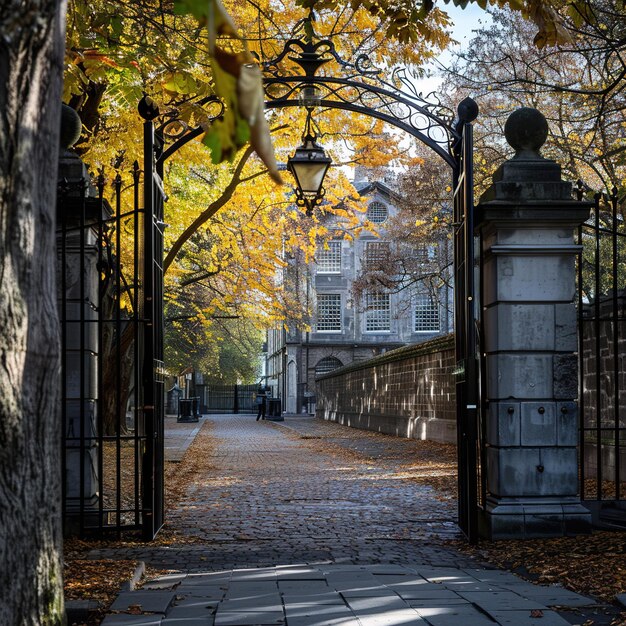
<point>603,398</point>
<point>527,221</point>
<point>408,392</point>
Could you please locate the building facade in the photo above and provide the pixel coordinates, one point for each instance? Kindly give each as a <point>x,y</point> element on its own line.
<point>348,324</point>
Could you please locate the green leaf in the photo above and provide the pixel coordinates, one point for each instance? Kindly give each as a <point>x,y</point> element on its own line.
<point>116,26</point>
<point>242,132</point>
<point>197,8</point>
<point>213,141</point>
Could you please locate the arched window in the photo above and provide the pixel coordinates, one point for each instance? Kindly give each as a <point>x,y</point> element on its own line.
<point>377,212</point>
<point>327,364</point>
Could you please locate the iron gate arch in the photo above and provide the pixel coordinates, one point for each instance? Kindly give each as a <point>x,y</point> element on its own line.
<point>397,102</point>
<point>361,90</point>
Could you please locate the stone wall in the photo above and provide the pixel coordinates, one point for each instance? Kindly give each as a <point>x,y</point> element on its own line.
<point>408,392</point>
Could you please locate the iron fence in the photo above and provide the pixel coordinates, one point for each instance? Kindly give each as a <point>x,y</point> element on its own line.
<point>109,452</point>
<point>602,355</point>
<point>227,398</point>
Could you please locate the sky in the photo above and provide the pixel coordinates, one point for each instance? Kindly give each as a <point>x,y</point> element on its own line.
<point>464,22</point>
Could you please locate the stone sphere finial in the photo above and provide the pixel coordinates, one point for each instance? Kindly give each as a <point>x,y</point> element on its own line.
<point>526,131</point>
<point>71,127</point>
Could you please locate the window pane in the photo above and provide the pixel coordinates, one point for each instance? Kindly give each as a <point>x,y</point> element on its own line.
<point>377,212</point>
<point>425,252</point>
<point>376,253</point>
<point>377,313</point>
<point>328,312</point>
<point>426,315</point>
<point>329,261</point>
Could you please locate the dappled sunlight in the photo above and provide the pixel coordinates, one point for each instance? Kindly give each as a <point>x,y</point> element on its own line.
<point>368,595</point>
<point>447,579</point>
<point>336,526</point>
<point>433,473</point>
<point>320,594</point>
<point>440,610</point>
<point>217,481</point>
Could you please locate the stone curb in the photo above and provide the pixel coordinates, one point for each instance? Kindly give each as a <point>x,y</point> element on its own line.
<point>79,611</point>
<point>131,583</point>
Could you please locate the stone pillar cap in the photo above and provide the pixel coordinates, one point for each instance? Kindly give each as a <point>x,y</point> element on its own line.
<point>71,127</point>
<point>527,176</point>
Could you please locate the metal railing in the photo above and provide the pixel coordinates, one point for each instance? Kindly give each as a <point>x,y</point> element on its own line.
<point>602,352</point>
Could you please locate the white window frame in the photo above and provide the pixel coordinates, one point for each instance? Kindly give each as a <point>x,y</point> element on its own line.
<point>426,314</point>
<point>329,261</point>
<point>377,315</point>
<point>329,314</point>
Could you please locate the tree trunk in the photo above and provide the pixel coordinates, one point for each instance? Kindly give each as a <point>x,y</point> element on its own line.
<point>31,72</point>
<point>117,377</point>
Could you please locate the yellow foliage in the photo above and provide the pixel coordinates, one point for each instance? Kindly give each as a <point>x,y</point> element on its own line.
<point>231,265</point>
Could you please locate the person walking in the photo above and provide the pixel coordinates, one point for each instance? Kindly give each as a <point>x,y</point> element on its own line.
<point>261,401</point>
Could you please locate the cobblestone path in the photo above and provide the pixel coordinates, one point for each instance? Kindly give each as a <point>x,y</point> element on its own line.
<point>307,523</point>
<point>305,491</point>
<point>276,498</point>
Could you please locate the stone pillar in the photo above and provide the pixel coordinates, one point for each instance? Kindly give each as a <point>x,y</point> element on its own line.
<point>77,259</point>
<point>527,221</point>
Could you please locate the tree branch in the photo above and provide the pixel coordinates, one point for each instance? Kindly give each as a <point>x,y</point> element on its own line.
<point>214,207</point>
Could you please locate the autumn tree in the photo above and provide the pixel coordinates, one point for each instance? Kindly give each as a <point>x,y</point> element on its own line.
<point>218,255</point>
<point>169,64</point>
<point>226,352</point>
<point>407,21</point>
<point>579,87</point>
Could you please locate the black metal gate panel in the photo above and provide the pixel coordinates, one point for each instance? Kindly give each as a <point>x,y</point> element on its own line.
<point>468,380</point>
<point>153,369</point>
<point>112,414</point>
<point>602,356</point>
<point>228,398</point>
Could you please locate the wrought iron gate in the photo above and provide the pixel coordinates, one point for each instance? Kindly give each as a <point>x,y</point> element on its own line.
<point>602,357</point>
<point>360,88</point>
<point>153,370</point>
<point>471,482</point>
<point>112,391</point>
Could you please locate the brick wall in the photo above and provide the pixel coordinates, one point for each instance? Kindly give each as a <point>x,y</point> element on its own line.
<point>604,386</point>
<point>408,392</point>
<point>600,386</point>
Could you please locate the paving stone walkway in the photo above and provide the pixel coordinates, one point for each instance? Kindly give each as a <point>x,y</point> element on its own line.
<point>295,532</point>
